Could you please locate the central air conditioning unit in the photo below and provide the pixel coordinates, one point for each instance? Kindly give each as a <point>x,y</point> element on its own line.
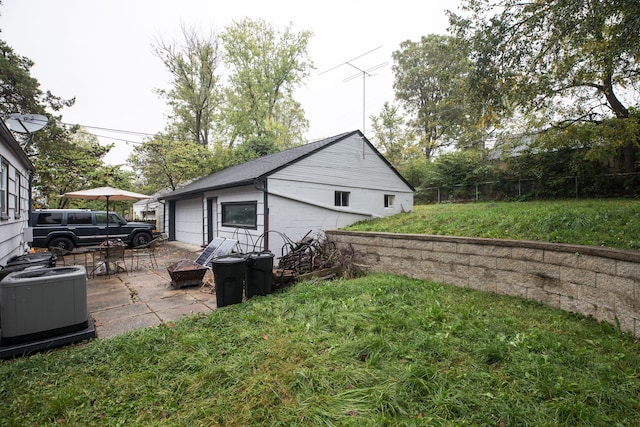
<point>39,306</point>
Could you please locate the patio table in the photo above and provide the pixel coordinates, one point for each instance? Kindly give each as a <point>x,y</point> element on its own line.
<point>86,254</point>
<point>93,255</point>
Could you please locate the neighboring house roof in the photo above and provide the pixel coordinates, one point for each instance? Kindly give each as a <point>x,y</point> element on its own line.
<point>257,169</point>
<point>154,197</point>
<point>11,143</point>
<point>511,146</point>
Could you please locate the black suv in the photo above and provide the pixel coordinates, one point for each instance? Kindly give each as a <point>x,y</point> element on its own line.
<point>68,228</point>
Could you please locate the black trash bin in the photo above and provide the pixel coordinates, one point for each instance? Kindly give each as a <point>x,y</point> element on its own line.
<point>229,274</point>
<point>259,273</point>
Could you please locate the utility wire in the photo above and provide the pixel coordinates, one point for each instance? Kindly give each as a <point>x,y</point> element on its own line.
<point>128,132</point>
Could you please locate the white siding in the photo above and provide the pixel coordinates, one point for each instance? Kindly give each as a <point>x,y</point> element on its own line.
<point>348,166</point>
<point>295,219</point>
<point>189,221</point>
<point>13,228</point>
<point>362,201</point>
<point>346,162</point>
<point>302,196</point>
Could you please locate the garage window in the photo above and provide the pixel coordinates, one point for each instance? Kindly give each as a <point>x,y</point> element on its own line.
<point>388,200</point>
<point>240,214</point>
<point>341,198</point>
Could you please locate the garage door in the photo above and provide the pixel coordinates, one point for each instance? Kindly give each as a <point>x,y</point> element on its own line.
<point>189,221</point>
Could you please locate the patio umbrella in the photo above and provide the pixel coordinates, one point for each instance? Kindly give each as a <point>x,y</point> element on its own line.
<point>105,193</point>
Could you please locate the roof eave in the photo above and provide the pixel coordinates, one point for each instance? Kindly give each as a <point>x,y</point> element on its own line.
<point>14,146</point>
<point>199,191</point>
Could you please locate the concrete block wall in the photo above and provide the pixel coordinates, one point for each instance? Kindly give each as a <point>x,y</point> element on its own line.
<point>598,282</point>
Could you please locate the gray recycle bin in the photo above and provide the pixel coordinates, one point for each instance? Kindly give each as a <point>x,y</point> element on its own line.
<point>228,274</point>
<point>259,273</point>
<point>36,304</point>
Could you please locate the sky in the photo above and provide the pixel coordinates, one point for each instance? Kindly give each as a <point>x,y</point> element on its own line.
<point>100,52</point>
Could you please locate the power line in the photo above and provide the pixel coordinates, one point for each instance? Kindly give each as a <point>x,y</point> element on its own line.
<point>128,141</point>
<point>127,132</point>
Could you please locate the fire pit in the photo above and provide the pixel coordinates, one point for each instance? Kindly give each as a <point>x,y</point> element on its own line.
<point>186,273</point>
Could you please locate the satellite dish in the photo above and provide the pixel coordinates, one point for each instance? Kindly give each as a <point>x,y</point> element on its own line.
<point>26,123</point>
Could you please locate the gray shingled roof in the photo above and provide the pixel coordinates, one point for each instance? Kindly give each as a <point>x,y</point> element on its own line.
<point>247,173</point>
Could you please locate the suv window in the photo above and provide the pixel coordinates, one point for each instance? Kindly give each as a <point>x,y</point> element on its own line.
<point>48,218</point>
<point>79,218</point>
<point>101,218</point>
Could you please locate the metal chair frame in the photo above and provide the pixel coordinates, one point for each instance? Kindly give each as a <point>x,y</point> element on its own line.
<point>114,254</point>
<point>148,250</point>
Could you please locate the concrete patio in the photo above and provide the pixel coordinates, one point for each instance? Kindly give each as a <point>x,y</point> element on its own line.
<point>144,296</point>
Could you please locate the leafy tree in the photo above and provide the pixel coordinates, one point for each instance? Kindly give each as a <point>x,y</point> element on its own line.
<point>462,167</point>
<point>419,171</point>
<point>429,82</point>
<point>392,136</point>
<point>67,161</point>
<point>167,161</point>
<point>14,73</point>
<point>19,92</point>
<point>194,97</point>
<point>266,66</point>
<point>254,148</point>
<point>555,62</point>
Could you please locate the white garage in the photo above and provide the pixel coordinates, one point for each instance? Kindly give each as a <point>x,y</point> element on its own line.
<point>188,221</point>
<point>267,202</point>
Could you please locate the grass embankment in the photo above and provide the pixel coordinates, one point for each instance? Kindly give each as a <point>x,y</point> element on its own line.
<point>378,350</point>
<point>610,223</point>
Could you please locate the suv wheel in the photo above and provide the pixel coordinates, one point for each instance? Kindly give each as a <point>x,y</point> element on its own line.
<point>141,239</point>
<point>62,243</point>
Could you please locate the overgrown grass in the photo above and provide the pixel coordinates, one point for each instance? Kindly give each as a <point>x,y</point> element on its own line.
<point>378,350</point>
<point>611,223</point>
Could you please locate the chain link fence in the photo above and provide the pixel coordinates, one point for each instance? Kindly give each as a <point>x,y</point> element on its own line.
<point>604,186</point>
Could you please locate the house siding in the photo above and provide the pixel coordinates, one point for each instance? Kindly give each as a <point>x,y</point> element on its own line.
<point>301,196</point>
<point>349,166</point>
<point>295,219</point>
<point>14,236</point>
<point>350,163</point>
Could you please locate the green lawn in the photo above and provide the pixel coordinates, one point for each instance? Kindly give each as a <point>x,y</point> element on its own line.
<point>378,350</point>
<point>611,223</point>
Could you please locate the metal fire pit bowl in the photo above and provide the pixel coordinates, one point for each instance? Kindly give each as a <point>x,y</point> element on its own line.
<point>186,273</point>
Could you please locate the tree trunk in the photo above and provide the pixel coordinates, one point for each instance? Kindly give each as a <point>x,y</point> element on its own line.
<point>628,155</point>
<point>629,158</point>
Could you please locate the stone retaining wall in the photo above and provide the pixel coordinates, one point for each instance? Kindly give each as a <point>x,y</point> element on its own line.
<point>598,282</point>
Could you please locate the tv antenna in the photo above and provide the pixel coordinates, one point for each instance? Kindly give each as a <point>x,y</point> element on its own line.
<point>361,72</point>
<point>26,124</point>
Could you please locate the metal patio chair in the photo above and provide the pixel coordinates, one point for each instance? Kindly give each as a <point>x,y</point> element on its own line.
<point>146,251</point>
<point>113,257</point>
